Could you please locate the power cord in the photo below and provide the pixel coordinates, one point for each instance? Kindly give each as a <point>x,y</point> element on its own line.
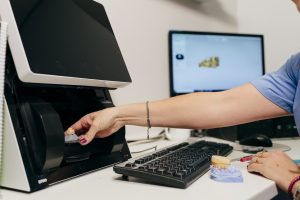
<point>161,136</point>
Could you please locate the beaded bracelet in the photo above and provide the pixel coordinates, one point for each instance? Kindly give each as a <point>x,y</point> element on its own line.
<point>292,183</point>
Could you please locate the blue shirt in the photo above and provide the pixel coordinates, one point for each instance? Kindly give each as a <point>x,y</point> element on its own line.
<point>282,87</point>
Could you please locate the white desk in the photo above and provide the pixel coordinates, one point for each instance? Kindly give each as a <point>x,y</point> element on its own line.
<point>105,184</point>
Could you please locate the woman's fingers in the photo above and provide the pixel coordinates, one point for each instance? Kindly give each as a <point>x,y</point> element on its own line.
<point>257,164</point>
<point>92,133</point>
<point>274,165</point>
<point>263,154</point>
<point>255,167</point>
<point>89,136</point>
<point>83,124</point>
<point>99,124</point>
<point>258,160</point>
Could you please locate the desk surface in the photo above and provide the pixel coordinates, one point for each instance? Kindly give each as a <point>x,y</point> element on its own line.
<point>107,184</point>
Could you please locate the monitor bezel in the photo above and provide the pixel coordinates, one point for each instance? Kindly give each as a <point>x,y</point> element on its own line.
<point>170,37</point>
<point>24,72</point>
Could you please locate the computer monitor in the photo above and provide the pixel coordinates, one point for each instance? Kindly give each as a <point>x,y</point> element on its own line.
<point>68,42</point>
<point>207,61</point>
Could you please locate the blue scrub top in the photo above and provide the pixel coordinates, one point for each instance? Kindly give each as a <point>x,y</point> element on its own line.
<point>282,87</point>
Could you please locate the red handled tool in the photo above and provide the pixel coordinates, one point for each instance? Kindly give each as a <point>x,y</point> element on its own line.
<point>243,159</point>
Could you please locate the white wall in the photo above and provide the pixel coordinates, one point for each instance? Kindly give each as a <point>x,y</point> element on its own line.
<point>278,20</point>
<point>141,28</point>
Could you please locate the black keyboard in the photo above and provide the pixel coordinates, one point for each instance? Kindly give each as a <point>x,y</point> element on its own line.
<point>176,166</point>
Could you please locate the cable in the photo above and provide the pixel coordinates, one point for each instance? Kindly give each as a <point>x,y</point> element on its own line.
<point>160,136</point>
<point>141,151</point>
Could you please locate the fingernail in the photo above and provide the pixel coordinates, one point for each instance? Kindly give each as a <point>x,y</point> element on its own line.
<point>83,141</point>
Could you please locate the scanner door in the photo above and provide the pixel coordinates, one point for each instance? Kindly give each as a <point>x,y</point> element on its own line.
<point>44,132</point>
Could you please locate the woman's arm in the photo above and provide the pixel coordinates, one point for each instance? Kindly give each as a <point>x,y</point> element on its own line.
<point>197,110</point>
<point>204,110</point>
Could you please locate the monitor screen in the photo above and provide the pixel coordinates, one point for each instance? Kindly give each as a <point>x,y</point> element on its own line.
<point>202,61</point>
<point>64,42</point>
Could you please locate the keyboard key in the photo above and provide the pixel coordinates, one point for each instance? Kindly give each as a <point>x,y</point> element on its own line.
<point>170,172</point>
<point>179,175</point>
<point>130,165</point>
<point>143,168</point>
<point>152,169</point>
<point>140,161</point>
<point>161,170</point>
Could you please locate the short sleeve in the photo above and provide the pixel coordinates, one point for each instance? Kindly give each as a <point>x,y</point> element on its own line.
<point>280,86</point>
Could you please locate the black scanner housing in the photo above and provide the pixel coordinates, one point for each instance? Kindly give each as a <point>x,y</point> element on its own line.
<point>63,40</point>
<point>40,115</point>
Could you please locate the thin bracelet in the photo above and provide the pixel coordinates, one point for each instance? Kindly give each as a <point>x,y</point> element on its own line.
<point>148,119</point>
<point>290,188</point>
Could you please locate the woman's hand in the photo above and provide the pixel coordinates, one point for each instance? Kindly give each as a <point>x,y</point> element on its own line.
<point>276,166</point>
<point>97,124</point>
